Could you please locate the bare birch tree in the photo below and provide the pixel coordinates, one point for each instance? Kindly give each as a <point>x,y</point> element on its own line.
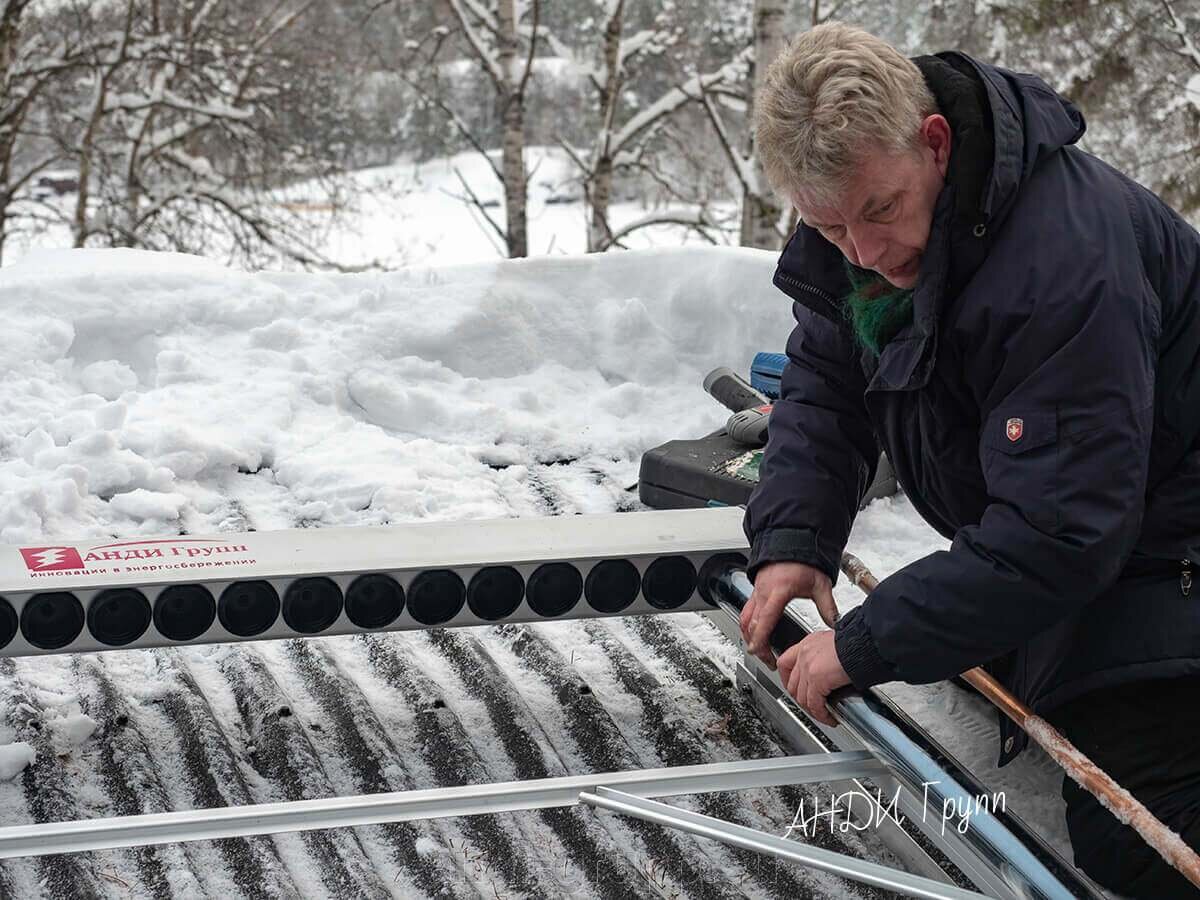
<point>32,60</point>
<point>504,45</point>
<point>172,137</point>
<point>105,64</point>
<point>1131,66</point>
<point>1181,175</point>
<point>761,211</point>
<point>765,221</point>
<point>623,133</point>
<point>16,96</point>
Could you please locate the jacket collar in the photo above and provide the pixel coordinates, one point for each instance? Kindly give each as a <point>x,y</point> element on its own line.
<point>1003,124</point>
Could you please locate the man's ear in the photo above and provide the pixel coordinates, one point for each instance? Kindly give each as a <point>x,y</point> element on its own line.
<point>935,134</point>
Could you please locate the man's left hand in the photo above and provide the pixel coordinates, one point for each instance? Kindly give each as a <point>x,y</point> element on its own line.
<point>811,671</point>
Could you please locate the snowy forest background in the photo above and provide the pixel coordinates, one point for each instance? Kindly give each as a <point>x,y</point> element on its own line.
<point>337,134</point>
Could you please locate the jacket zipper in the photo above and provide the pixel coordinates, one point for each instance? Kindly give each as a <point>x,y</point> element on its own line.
<point>1185,577</point>
<point>809,289</point>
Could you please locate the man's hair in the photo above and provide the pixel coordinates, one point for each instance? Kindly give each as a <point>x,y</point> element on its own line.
<point>833,95</point>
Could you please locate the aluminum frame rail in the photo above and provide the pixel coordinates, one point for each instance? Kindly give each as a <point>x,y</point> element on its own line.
<point>45,838</point>
<point>772,845</point>
<point>996,850</point>
<point>474,573</point>
<point>196,589</point>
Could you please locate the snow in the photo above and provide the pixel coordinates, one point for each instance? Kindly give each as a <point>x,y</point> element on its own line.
<point>142,504</point>
<point>158,393</point>
<point>677,97</point>
<point>108,378</point>
<point>143,384</point>
<point>554,69</point>
<point>14,758</point>
<point>1178,26</point>
<point>426,845</point>
<point>1191,91</point>
<point>413,213</point>
<point>70,729</point>
<point>409,214</point>
<point>474,32</point>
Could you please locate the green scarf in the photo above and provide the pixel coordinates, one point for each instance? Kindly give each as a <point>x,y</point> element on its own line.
<point>876,310</point>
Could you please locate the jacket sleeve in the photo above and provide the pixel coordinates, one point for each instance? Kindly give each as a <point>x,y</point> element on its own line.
<point>1066,423</point>
<point>821,452</point>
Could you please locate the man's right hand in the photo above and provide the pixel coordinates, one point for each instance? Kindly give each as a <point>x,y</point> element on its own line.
<point>775,585</point>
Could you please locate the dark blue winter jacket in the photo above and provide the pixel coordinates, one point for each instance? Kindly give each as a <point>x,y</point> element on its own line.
<point>1042,412</point>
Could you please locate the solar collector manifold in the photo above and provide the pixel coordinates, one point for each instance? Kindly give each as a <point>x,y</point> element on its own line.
<point>309,582</point>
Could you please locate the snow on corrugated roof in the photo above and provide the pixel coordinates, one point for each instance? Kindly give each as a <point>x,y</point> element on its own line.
<point>159,393</point>
<point>259,401</point>
<point>224,725</point>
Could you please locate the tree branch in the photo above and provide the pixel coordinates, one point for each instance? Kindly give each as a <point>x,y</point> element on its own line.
<point>677,97</point>
<point>537,11</point>
<point>481,51</point>
<point>478,204</point>
<point>736,162</point>
<point>696,221</point>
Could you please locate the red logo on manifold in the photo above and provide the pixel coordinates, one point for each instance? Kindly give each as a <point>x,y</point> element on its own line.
<point>51,559</point>
<point>1014,429</point>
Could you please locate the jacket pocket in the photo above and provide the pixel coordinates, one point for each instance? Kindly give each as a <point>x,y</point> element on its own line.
<point>1019,457</point>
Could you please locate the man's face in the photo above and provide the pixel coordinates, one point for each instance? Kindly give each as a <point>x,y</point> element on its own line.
<point>882,219</point>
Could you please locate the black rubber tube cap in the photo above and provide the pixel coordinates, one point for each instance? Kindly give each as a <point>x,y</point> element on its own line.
<point>51,620</point>
<point>612,585</point>
<point>311,605</point>
<point>669,582</point>
<point>119,616</point>
<point>436,596</point>
<point>374,601</point>
<point>183,612</point>
<point>8,622</point>
<point>495,592</point>
<point>247,608</point>
<point>711,570</point>
<point>554,588</point>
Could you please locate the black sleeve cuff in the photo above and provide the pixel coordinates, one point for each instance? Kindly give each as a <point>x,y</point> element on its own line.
<point>800,545</point>
<point>857,652</point>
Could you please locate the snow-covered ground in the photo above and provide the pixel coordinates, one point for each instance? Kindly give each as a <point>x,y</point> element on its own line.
<point>409,213</point>
<point>157,393</point>
<point>415,213</point>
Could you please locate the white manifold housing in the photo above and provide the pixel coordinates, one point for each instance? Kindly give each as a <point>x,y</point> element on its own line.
<point>155,592</point>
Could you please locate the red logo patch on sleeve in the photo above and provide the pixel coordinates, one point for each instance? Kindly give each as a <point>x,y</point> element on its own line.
<point>1014,428</point>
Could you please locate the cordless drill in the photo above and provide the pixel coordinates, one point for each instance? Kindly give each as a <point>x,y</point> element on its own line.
<point>751,409</point>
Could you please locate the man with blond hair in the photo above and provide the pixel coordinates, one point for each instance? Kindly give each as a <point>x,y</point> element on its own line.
<point>1016,324</point>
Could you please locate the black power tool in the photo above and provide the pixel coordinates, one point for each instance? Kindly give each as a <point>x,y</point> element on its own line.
<point>751,408</point>
<point>721,469</point>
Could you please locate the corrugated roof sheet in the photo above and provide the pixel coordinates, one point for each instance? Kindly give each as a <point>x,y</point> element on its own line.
<point>259,722</point>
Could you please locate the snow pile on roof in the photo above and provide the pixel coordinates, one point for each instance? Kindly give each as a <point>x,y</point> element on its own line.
<point>70,728</point>
<point>159,393</point>
<point>14,758</point>
<point>148,392</point>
